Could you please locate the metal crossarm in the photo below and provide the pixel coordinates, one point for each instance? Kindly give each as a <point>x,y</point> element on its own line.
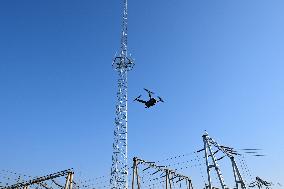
<point>162,169</point>
<point>170,175</point>
<point>39,179</point>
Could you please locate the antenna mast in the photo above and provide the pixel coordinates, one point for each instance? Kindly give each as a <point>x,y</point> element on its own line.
<point>122,64</point>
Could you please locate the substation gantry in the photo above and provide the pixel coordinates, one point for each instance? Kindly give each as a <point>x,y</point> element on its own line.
<point>169,176</point>
<point>122,63</point>
<point>261,183</point>
<point>227,152</point>
<point>40,181</point>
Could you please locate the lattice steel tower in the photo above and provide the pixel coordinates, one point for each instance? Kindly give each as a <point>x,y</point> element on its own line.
<point>122,64</point>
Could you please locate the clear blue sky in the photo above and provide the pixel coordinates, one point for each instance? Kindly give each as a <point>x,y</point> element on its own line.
<point>218,64</point>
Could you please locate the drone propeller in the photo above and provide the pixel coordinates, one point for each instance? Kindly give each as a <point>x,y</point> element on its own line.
<point>251,149</point>
<point>249,152</point>
<point>259,155</point>
<point>137,98</point>
<point>160,99</point>
<point>149,91</point>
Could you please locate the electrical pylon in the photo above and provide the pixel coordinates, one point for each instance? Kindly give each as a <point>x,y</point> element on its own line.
<point>122,64</point>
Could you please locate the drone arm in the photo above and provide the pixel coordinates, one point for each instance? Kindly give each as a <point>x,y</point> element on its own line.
<point>142,101</point>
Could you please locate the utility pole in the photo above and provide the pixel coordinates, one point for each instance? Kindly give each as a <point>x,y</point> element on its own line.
<point>122,64</point>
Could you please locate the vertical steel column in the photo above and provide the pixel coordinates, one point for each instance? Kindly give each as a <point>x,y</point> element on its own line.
<point>167,175</point>
<point>69,181</point>
<point>206,158</point>
<point>170,182</point>
<point>234,171</point>
<point>137,178</point>
<point>135,174</point>
<point>237,174</point>
<point>134,171</point>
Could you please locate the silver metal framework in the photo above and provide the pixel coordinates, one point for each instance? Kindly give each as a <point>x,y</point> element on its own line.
<point>122,64</point>
<point>228,152</point>
<point>207,148</point>
<point>39,180</point>
<point>170,175</point>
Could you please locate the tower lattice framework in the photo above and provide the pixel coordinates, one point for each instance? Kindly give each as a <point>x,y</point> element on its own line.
<point>227,152</point>
<point>122,64</point>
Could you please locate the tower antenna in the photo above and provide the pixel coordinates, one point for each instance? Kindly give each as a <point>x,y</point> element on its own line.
<point>122,64</point>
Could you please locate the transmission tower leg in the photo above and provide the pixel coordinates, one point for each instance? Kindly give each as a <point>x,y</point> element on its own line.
<point>137,177</point>
<point>207,163</point>
<point>69,181</point>
<point>167,178</point>
<point>134,172</point>
<point>215,165</point>
<point>170,182</point>
<point>188,184</point>
<point>237,174</point>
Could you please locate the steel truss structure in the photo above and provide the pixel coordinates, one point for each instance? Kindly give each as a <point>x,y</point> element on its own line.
<point>227,152</point>
<point>122,64</point>
<point>40,181</point>
<point>260,183</point>
<point>169,176</point>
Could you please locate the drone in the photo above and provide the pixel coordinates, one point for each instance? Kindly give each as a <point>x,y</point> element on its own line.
<point>151,102</point>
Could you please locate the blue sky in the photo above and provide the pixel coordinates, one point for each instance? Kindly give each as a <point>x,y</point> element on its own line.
<point>218,65</point>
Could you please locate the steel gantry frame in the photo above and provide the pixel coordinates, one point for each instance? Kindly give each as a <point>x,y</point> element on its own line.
<point>228,152</point>
<point>122,64</point>
<point>39,180</point>
<point>169,174</point>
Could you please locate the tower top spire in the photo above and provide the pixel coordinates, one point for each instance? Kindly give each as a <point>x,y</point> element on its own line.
<point>124,41</point>
<point>123,61</point>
